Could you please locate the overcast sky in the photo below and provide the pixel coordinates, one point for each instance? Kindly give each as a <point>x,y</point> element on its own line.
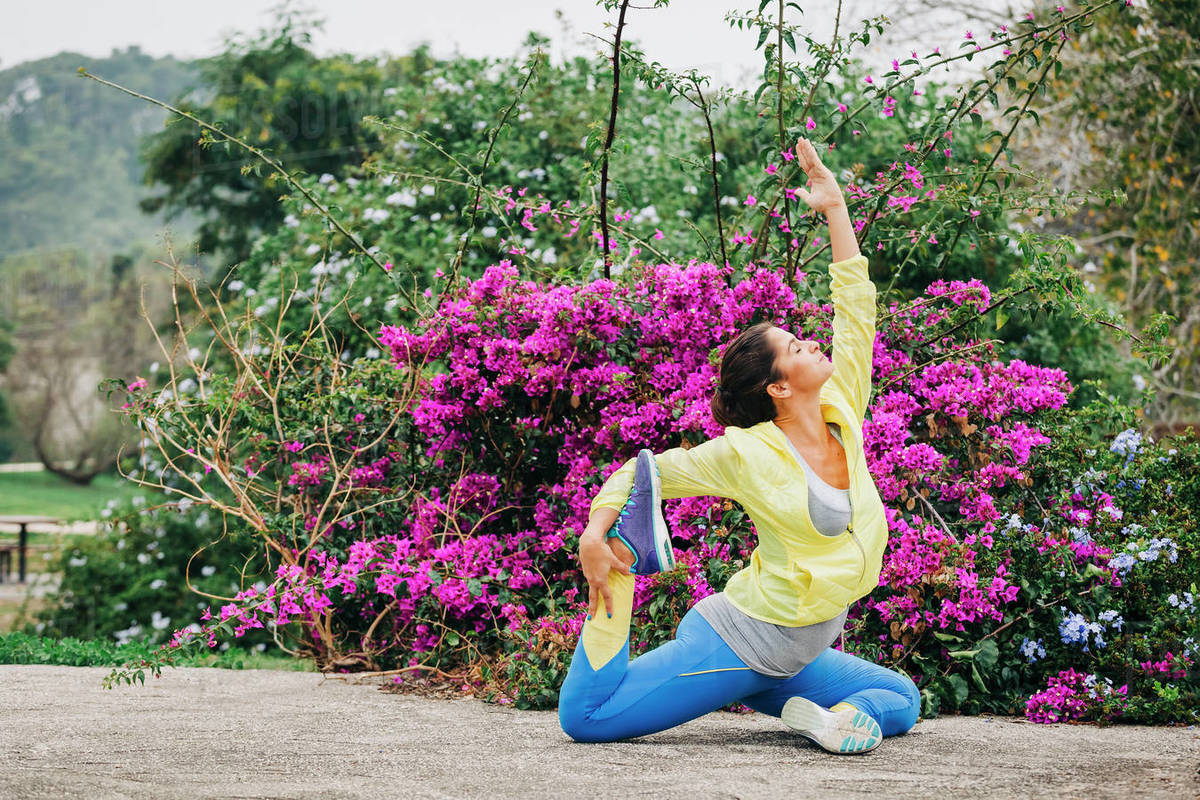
<point>687,34</point>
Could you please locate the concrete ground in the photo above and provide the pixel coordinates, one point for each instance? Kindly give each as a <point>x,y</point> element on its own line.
<point>206,733</point>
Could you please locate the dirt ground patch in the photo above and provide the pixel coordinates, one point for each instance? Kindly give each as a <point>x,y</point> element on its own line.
<point>208,733</point>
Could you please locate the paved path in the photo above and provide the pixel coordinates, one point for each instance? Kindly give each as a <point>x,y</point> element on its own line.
<point>206,733</point>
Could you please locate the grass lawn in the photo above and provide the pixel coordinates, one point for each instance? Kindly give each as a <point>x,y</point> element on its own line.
<point>44,494</point>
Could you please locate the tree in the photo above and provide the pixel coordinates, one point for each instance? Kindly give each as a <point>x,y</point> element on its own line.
<point>76,325</point>
<point>6,352</point>
<point>274,92</point>
<point>1124,114</point>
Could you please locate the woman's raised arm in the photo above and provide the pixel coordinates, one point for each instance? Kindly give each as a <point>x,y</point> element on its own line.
<point>851,286</point>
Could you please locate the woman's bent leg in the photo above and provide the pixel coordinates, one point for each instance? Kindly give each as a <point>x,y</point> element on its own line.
<point>607,697</point>
<point>836,677</point>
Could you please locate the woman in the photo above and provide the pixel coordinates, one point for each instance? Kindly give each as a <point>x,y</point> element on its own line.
<point>792,456</point>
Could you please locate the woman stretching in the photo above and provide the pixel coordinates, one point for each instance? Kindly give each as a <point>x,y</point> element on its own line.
<point>792,456</point>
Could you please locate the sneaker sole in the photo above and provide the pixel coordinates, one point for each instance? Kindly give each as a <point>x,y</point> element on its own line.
<point>662,534</point>
<point>843,732</point>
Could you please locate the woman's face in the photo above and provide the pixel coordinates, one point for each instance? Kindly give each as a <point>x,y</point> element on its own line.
<point>802,364</point>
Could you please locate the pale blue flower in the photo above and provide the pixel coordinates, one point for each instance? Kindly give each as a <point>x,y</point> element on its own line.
<point>1127,443</point>
<point>1031,650</point>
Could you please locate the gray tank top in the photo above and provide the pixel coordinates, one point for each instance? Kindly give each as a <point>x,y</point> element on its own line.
<point>780,651</point>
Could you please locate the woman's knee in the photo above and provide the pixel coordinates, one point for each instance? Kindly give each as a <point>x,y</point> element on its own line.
<point>908,689</point>
<point>575,723</point>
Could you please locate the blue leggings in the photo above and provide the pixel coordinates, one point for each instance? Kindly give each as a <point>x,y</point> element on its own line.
<point>696,673</point>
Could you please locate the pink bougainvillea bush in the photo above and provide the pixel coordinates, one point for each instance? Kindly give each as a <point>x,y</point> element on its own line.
<point>1012,556</point>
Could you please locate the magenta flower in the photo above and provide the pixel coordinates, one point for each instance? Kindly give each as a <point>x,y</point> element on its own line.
<point>868,79</point>
<point>970,35</point>
<point>750,200</point>
<point>140,383</point>
<point>810,124</point>
<point>772,169</point>
<point>841,107</point>
<point>387,267</point>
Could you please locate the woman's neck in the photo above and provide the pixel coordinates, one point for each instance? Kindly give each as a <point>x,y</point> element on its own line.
<point>801,420</point>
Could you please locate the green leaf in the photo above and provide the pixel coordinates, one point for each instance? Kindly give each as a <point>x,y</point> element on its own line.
<point>963,655</point>
<point>946,637</point>
<point>961,690</point>
<point>977,679</point>
<point>762,37</point>
<point>989,654</point>
<point>1001,318</point>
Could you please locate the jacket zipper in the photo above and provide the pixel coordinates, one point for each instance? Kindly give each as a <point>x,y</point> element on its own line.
<point>862,552</point>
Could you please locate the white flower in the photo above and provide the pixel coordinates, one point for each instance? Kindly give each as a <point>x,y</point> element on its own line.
<point>326,178</point>
<point>207,570</point>
<point>404,197</point>
<point>647,214</point>
<point>376,214</point>
<point>489,232</point>
<point>159,621</point>
<point>157,583</point>
<point>291,221</point>
<point>1139,383</point>
<point>428,190</point>
<point>78,562</point>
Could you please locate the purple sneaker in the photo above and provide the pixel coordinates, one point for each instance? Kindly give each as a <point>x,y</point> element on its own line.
<point>640,524</point>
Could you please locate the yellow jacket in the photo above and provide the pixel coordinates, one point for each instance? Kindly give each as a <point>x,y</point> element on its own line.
<point>796,576</point>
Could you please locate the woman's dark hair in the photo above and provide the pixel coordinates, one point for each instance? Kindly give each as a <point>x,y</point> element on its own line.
<point>747,368</point>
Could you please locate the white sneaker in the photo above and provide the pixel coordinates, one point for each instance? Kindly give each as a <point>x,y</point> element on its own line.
<point>846,730</point>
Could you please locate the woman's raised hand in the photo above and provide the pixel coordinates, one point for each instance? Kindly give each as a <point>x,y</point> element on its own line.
<point>823,192</point>
<point>597,558</point>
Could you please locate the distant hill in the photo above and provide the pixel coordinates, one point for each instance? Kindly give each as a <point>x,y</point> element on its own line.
<point>69,171</point>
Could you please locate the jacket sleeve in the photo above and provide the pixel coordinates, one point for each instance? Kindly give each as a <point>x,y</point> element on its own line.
<point>853,330</point>
<point>712,468</point>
